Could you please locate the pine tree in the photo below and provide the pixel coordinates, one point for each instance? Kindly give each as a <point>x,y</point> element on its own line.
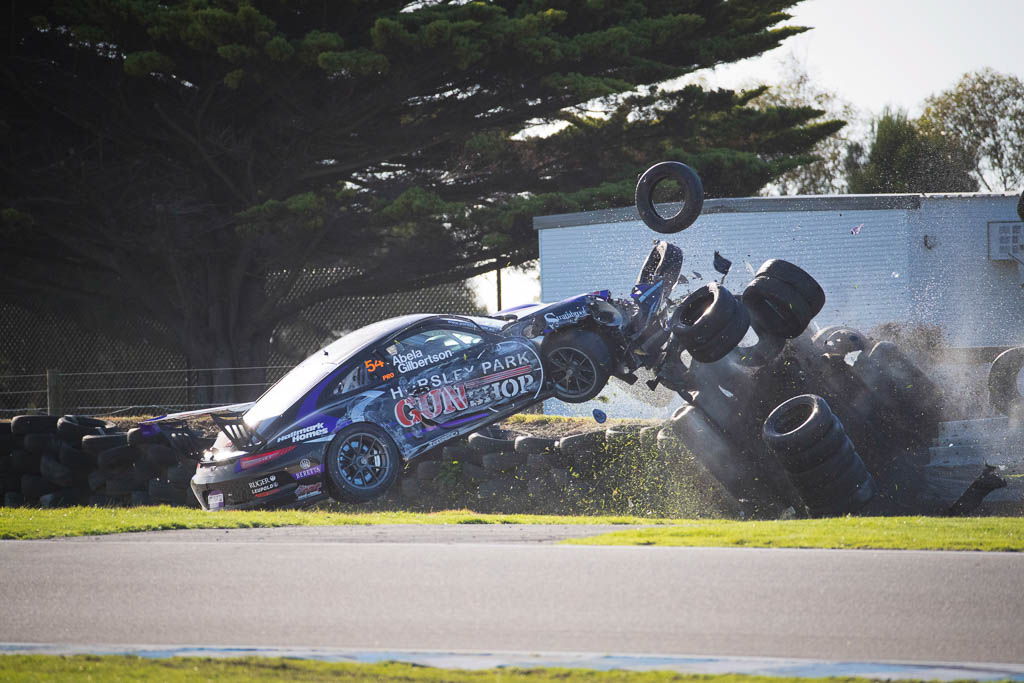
<point>180,163</point>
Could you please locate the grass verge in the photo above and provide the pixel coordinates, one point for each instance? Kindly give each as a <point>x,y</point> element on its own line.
<point>31,523</point>
<point>904,533</point>
<point>91,667</point>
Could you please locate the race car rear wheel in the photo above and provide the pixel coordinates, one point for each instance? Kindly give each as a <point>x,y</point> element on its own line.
<point>577,363</point>
<point>362,464</point>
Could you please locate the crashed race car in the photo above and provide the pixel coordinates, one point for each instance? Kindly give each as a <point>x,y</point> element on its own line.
<point>343,422</point>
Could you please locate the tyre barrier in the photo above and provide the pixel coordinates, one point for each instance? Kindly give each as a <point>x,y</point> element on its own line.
<point>820,460</point>
<point>56,461</point>
<point>623,469</point>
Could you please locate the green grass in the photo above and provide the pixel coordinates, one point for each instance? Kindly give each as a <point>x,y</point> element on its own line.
<point>29,523</point>
<point>89,667</point>
<point>905,533</point>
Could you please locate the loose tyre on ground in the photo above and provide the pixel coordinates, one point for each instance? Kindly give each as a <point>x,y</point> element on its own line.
<point>693,196</point>
<point>819,459</point>
<point>362,463</point>
<point>576,363</point>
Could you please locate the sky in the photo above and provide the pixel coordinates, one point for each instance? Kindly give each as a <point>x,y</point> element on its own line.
<point>873,53</point>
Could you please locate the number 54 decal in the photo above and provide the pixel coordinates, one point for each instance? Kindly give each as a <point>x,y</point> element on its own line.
<point>372,365</point>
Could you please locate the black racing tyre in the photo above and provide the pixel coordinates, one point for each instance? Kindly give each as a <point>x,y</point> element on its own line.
<point>121,484</point>
<point>14,499</point>
<point>97,479</point>
<point>149,434</point>
<point>482,443</point>
<point>702,314</point>
<point>140,498</point>
<point>797,278</point>
<point>72,428</point>
<point>34,424</point>
<point>33,486</point>
<point>76,459</point>
<point>577,364</point>
<point>622,438</point>
<point>163,491</point>
<point>23,462</point>
<point>797,424</point>
<point>582,444</point>
<point>181,475</point>
<point>158,455</point>
<point>116,459</point>
<point>663,263</point>
<point>42,444</point>
<point>727,339</point>
<point>58,499</point>
<point>832,441</point>
<point>52,471</point>
<point>362,463</point>
<point>693,196</point>
<point>534,445</point>
<point>96,444</point>
<point>5,463</point>
<point>777,307</point>
<point>1003,389</point>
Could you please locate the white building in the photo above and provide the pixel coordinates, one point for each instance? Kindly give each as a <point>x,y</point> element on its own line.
<point>944,259</point>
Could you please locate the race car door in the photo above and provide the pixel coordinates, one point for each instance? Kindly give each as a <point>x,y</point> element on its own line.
<point>452,377</point>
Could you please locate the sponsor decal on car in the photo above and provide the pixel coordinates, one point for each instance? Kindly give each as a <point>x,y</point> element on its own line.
<point>565,318</point>
<point>307,490</point>
<point>305,463</point>
<point>416,359</point>
<point>300,435</point>
<point>263,487</point>
<point>309,472</point>
<point>505,384</point>
<point>215,500</point>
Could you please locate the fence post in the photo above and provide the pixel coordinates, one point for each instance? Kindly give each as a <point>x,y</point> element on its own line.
<point>54,393</point>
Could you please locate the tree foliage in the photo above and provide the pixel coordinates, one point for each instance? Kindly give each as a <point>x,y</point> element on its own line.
<point>984,111</point>
<point>902,157</point>
<point>825,173</point>
<point>187,160</point>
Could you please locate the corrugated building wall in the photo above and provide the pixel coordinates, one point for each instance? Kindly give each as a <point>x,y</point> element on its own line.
<point>880,258</point>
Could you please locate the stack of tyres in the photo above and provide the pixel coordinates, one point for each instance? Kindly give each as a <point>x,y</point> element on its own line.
<point>820,460</point>
<point>168,471</point>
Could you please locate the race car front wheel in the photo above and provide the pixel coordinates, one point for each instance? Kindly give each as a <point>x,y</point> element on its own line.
<point>577,363</point>
<point>362,464</point>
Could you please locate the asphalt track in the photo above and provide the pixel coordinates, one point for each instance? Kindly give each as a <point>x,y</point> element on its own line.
<point>505,588</point>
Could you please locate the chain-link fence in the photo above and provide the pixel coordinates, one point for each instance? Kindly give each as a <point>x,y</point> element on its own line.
<point>92,373</point>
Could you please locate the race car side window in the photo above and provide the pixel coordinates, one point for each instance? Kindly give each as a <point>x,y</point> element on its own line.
<point>367,370</point>
<point>425,347</point>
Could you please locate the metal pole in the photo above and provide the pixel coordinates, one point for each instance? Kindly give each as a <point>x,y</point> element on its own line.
<point>499,288</point>
<point>54,393</point>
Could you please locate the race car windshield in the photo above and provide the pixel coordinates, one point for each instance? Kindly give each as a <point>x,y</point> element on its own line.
<point>306,374</point>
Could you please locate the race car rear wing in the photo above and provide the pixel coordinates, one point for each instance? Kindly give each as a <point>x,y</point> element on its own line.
<point>234,408</point>
<point>227,418</point>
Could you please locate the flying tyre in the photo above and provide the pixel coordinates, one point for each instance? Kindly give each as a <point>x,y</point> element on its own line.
<point>783,299</point>
<point>362,463</point>
<point>576,363</point>
<point>663,263</point>
<point>709,322</point>
<point>693,196</point>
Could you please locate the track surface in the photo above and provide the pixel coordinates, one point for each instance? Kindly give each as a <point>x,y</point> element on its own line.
<point>509,588</point>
